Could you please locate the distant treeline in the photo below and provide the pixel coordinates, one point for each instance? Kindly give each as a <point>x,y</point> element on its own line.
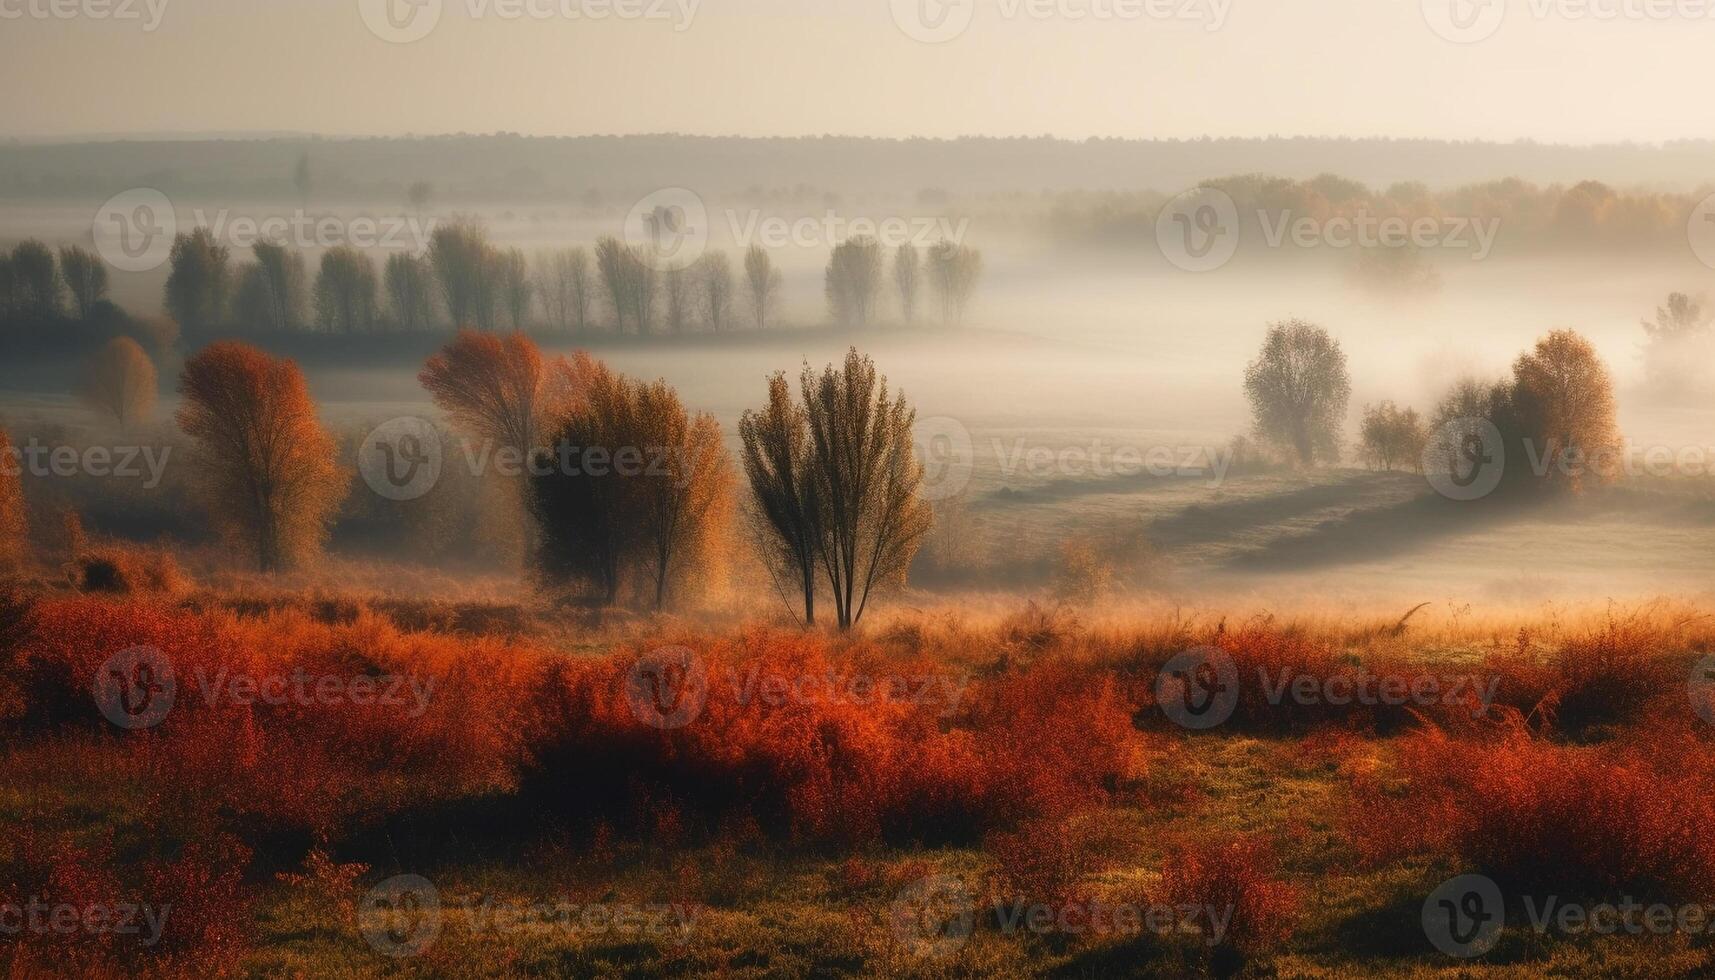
<point>472,169</point>
<point>463,280</point>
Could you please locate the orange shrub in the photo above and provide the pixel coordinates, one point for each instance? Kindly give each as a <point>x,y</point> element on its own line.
<point>833,769</point>
<point>1237,877</point>
<point>1535,815</point>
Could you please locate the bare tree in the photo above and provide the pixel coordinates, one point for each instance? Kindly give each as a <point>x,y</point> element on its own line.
<point>853,281</point>
<point>120,381</point>
<point>953,274</point>
<point>715,282</point>
<point>563,280</point>
<point>267,467</point>
<point>1298,390</point>
<point>346,291</point>
<point>871,518</point>
<point>620,266</point>
<point>907,274</point>
<point>763,281</point>
<point>85,279</point>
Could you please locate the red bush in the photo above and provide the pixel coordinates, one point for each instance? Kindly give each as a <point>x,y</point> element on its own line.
<point>1535,815</point>
<point>1237,877</point>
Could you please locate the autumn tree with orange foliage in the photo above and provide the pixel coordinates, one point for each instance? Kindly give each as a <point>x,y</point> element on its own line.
<point>632,486</point>
<point>266,464</point>
<point>1564,400</point>
<point>14,527</point>
<point>121,382</point>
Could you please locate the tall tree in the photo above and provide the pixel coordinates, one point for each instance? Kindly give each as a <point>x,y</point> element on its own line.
<point>35,282</point>
<point>266,465</point>
<point>784,510</point>
<point>120,381</point>
<point>346,291</point>
<point>85,279</point>
<point>763,282</point>
<point>491,385</point>
<point>853,281</point>
<point>459,251</point>
<point>868,482</point>
<point>196,290</point>
<point>907,275</point>
<point>715,285</point>
<point>271,289</point>
<point>409,295</point>
<point>1298,390</point>
<point>512,280</point>
<point>953,274</point>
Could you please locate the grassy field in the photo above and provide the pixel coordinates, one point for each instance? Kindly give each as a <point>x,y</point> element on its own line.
<point>1023,770</point>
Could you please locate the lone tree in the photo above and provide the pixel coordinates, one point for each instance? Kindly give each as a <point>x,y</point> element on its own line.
<point>1298,390</point>
<point>853,281</point>
<point>855,446</point>
<point>121,382</point>
<point>1392,437</point>
<point>762,282</point>
<point>14,523</point>
<point>85,278</point>
<point>196,288</point>
<point>1564,400</point>
<point>1676,357</point>
<point>266,464</point>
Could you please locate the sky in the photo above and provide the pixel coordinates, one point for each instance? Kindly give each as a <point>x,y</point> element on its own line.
<point>1571,71</point>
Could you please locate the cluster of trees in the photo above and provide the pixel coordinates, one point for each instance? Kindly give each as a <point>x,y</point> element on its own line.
<point>480,285</point>
<point>1556,412</point>
<point>1588,214</point>
<point>854,281</point>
